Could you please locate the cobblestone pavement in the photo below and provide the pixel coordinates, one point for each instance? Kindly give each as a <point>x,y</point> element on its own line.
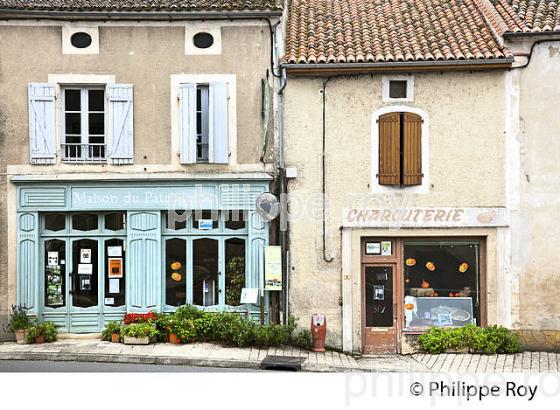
<point>534,362</point>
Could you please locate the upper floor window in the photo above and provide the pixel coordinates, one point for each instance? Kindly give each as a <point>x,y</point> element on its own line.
<point>84,124</point>
<point>96,123</point>
<point>398,88</point>
<point>203,122</point>
<point>400,149</point>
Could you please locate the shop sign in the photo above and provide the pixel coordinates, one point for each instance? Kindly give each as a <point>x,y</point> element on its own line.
<point>273,268</point>
<point>424,217</point>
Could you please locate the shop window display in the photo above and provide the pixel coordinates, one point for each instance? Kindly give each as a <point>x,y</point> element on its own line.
<point>175,272</point>
<point>441,283</point>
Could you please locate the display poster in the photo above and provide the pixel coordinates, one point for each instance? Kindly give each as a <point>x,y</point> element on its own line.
<point>249,295</point>
<point>205,224</point>
<point>115,268</point>
<point>273,268</point>
<point>114,251</point>
<point>114,286</point>
<point>85,282</point>
<point>109,301</point>
<point>373,248</point>
<point>85,255</point>
<point>85,269</point>
<point>378,292</point>
<point>52,258</point>
<point>54,285</point>
<point>386,248</point>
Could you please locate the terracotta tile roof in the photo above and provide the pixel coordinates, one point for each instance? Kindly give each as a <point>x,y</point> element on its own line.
<point>374,31</point>
<point>141,5</point>
<point>530,15</point>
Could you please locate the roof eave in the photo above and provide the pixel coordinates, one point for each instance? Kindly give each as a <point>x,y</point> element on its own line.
<point>137,15</point>
<point>513,34</point>
<point>409,66</point>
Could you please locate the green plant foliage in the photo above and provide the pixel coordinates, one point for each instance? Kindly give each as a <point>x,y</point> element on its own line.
<point>188,312</point>
<point>139,330</point>
<point>235,280</point>
<point>490,340</point>
<point>184,329</point>
<point>46,329</point>
<point>110,328</point>
<point>163,325</point>
<point>304,339</point>
<point>18,319</point>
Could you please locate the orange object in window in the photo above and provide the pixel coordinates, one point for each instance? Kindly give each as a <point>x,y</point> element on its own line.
<point>430,266</point>
<point>409,306</point>
<point>410,262</point>
<point>463,267</point>
<point>425,285</point>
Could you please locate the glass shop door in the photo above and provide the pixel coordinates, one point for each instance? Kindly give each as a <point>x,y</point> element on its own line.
<point>380,309</point>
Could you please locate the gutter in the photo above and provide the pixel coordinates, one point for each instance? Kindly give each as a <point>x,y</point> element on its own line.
<point>513,34</point>
<point>401,66</point>
<point>137,15</point>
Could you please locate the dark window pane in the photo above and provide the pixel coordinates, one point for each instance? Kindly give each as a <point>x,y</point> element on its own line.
<point>397,89</point>
<point>235,270</point>
<point>203,40</point>
<point>115,221</point>
<point>80,40</point>
<point>175,220</point>
<point>198,100</point>
<point>175,272</point>
<point>235,220</point>
<point>73,124</point>
<point>55,273</point>
<point>97,124</point>
<point>115,272</point>
<point>84,274</point>
<point>205,272</point>
<point>72,100</point>
<point>379,296</point>
<point>205,220</point>
<point>96,100</point>
<point>84,222</point>
<point>55,222</point>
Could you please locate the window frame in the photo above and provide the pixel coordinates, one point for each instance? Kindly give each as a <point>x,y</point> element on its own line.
<point>386,86</point>
<point>376,187</point>
<point>84,122</point>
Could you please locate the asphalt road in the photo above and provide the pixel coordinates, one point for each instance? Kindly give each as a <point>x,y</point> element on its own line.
<point>11,366</point>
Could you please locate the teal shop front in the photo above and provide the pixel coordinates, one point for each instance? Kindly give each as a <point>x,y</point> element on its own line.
<point>88,252</point>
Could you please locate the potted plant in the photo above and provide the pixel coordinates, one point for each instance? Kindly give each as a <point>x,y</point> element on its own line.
<point>19,322</point>
<point>138,333</point>
<point>112,332</point>
<point>182,331</point>
<point>42,332</point>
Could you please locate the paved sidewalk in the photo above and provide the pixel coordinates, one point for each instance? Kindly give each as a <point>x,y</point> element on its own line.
<point>215,355</point>
<point>197,354</point>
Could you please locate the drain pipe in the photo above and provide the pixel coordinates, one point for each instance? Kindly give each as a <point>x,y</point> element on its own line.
<point>283,223</point>
<point>326,258</point>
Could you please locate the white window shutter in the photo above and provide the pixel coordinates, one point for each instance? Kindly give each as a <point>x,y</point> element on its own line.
<point>120,139</point>
<point>218,139</point>
<point>187,123</point>
<point>42,134</point>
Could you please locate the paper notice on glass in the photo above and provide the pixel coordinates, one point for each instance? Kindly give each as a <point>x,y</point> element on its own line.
<point>85,269</point>
<point>114,286</point>
<point>85,255</point>
<point>113,251</point>
<point>273,268</point>
<point>52,258</point>
<point>109,301</point>
<point>249,295</point>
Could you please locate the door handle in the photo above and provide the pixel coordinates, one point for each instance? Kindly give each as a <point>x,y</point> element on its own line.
<point>71,291</point>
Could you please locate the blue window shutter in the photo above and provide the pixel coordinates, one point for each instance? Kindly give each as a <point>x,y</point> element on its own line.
<point>218,138</point>
<point>187,123</point>
<point>42,134</point>
<point>120,134</point>
<point>28,260</point>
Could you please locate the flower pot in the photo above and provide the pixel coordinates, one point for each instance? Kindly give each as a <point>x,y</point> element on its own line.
<point>21,336</point>
<point>115,338</point>
<point>136,340</point>
<point>39,339</point>
<point>174,339</point>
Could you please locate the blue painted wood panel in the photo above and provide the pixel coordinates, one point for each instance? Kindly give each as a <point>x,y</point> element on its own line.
<point>28,260</point>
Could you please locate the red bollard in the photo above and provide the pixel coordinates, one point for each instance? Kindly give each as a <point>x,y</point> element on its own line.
<point>318,331</point>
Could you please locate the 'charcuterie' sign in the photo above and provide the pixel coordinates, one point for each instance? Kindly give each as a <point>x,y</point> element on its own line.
<point>425,217</point>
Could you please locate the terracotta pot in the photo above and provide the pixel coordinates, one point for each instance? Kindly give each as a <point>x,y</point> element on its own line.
<point>21,336</point>
<point>39,339</point>
<point>174,339</point>
<point>115,338</point>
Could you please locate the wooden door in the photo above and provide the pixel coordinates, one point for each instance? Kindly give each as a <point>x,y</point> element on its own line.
<point>379,307</point>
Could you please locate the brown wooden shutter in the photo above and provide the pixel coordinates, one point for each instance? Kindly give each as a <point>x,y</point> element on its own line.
<point>390,149</point>
<point>412,149</point>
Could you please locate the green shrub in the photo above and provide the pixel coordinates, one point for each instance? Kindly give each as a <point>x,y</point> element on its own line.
<point>110,328</point>
<point>163,325</point>
<point>184,329</point>
<point>139,330</point>
<point>18,319</point>
<point>46,329</point>
<point>186,312</point>
<point>304,339</point>
<point>491,340</point>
